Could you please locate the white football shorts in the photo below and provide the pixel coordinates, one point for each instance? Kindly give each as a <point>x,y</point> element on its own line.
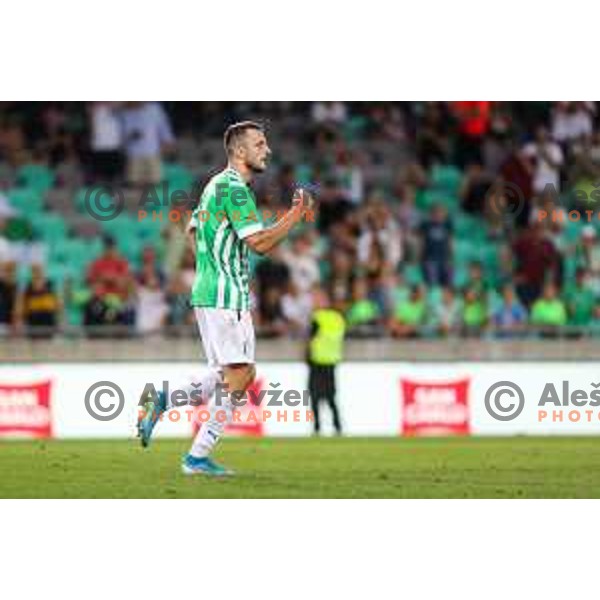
<point>227,335</point>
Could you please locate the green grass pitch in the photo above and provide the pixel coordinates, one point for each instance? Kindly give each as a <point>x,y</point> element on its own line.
<point>308,468</point>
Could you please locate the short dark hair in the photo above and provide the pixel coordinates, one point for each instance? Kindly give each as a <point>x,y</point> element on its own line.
<point>234,132</point>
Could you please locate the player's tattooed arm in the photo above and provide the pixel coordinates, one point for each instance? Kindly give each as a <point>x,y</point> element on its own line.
<point>264,241</point>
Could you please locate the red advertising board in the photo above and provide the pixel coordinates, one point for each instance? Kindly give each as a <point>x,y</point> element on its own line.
<point>25,410</point>
<point>434,408</point>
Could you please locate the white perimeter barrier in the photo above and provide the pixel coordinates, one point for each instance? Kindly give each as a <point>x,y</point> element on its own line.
<point>375,399</point>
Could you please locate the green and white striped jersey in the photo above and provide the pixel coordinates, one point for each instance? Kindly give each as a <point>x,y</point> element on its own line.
<point>226,215</point>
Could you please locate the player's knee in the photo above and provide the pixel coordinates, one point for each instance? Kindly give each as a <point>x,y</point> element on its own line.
<point>252,375</point>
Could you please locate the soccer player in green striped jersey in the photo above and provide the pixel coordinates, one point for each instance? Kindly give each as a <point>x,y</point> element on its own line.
<point>223,228</point>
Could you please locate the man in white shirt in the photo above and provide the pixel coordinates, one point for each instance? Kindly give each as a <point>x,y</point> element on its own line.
<point>572,121</point>
<point>547,159</point>
<point>105,141</point>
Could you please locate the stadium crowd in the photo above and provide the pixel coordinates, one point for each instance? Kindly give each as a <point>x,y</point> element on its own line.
<point>433,218</point>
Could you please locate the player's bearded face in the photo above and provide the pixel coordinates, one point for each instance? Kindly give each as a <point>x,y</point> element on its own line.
<point>256,151</point>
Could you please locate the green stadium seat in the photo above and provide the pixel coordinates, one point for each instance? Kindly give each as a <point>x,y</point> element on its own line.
<point>354,128</point>
<point>148,230</point>
<point>460,275</point>
<point>572,230</point>
<point>465,250</point>
<point>50,227</point>
<point>124,225</point>
<point>174,171</point>
<point>38,177</point>
<point>28,201</point>
<point>425,199</point>
<point>434,296</point>
<point>413,275</point>
<point>58,273</point>
<point>303,174</point>
<point>446,177</point>
<point>60,251</point>
<point>131,248</point>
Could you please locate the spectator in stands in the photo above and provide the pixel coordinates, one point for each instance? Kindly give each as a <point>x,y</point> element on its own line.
<point>149,268</point>
<point>106,142</point>
<point>546,159</point>
<point>110,271</point>
<point>585,165</point>
<point>436,247</point>
<point>354,236</point>
<point>17,239</point>
<point>329,114</point>
<point>549,312</point>
<point>177,295</point>
<point>379,246</point>
<point>12,139</point>
<point>349,176</point>
<point>302,260</point>
<point>340,277</point>
<point>6,212</point>
<point>587,255</point>
<point>364,316</point>
<point>270,319</point>
<point>432,136</point>
<point>386,122</point>
<point>407,213</point>
<point>473,121</point>
<point>476,280</point>
<point>57,145</point>
<point>147,134</point>
<point>409,219</point>
<point>178,292</point>
<point>474,312</point>
<point>410,314</point>
<point>553,218</point>
<point>379,249</point>
<point>8,295</point>
<point>296,308</point>
<point>571,121</point>
<point>333,207</point>
<point>517,172</point>
<point>271,273</point>
<point>580,300</point>
<point>505,271</point>
<point>536,260</point>
<point>110,278</point>
<point>101,310</point>
<point>446,315</point>
<point>151,306</point>
<point>474,188</point>
<point>510,317</point>
<point>38,307</point>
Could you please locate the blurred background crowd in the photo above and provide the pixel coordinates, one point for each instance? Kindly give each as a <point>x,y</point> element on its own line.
<point>433,218</point>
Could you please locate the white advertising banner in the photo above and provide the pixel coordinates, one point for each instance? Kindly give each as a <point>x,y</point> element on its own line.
<point>374,399</point>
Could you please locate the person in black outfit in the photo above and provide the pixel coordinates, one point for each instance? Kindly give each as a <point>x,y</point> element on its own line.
<point>39,306</point>
<point>8,295</point>
<point>324,352</point>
